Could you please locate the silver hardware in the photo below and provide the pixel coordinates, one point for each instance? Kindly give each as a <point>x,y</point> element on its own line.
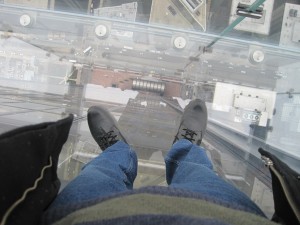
<point>267,161</point>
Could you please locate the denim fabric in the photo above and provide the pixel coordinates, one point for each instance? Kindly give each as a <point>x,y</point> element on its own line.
<point>113,171</point>
<point>187,167</point>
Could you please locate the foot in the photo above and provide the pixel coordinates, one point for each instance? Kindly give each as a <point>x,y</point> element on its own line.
<point>103,127</point>
<point>193,122</point>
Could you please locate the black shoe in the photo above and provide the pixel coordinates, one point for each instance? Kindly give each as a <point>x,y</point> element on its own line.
<point>193,122</point>
<point>103,127</point>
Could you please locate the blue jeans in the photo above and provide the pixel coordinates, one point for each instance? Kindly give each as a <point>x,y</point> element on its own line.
<point>187,167</point>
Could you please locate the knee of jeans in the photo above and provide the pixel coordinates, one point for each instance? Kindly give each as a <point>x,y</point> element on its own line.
<point>198,155</point>
<point>179,151</point>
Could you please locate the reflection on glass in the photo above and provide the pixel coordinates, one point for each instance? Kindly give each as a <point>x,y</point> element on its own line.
<point>144,61</point>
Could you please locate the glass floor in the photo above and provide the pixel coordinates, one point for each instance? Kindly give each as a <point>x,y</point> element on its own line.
<point>144,61</point>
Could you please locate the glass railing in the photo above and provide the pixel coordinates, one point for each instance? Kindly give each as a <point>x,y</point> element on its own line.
<point>144,61</point>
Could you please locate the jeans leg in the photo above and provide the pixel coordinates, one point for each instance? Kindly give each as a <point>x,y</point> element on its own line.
<point>188,167</point>
<point>113,171</point>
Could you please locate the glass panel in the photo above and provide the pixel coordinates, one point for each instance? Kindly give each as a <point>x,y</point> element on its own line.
<point>144,61</point>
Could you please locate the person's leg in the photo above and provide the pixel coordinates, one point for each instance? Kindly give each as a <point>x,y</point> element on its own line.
<point>114,170</point>
<point>188,168</point>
